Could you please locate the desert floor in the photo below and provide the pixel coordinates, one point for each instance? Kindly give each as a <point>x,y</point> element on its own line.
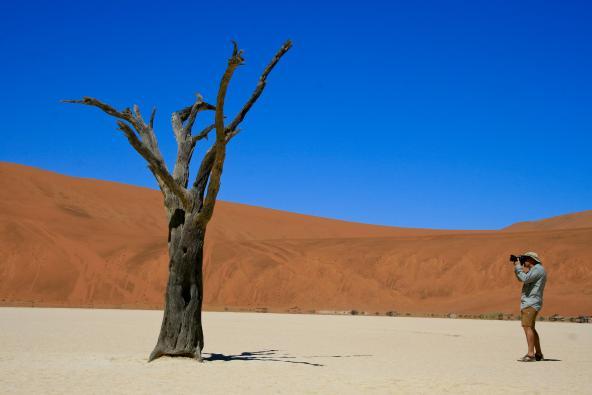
<point>45,350</point>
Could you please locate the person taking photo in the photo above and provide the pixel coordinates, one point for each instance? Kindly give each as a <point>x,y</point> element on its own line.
<point>530,271</point>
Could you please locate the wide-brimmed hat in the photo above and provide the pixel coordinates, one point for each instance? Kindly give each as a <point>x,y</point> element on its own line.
<point>533,255</point>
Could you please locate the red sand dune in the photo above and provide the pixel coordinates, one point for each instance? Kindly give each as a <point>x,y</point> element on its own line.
<point>68,241</point>
<point>582,219</point>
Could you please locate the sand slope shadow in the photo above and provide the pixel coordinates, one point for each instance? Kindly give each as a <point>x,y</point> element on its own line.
<point>265,355</point>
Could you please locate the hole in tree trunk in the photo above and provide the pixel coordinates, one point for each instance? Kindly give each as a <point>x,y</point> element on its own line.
<point>186,293</point>
<point>177,219</point>
<point>184,250</point>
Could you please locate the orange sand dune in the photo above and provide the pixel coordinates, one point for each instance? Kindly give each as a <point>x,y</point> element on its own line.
<point>582,219</point>
<point>81,242</point>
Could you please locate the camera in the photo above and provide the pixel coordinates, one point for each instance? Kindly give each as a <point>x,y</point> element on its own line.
<point>521,258</point>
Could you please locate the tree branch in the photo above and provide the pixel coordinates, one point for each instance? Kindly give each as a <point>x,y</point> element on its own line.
<point>203,134</point>
<point>203,174</point>
<point>125,115</point>
<point>260,86</point>
<point>177,125</point>
<point>152,118</point>
<point>182,122</point>
<point>207,164</point>
<point>147,147</point>
<point>219,147</point>
<point>184,112</point>
<point>195,109</point>
<point>138,115</point>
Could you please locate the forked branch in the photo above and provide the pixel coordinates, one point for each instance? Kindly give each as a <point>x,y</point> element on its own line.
<point>146,145</point>
<point>219,148</point>
<point>260,86</point>
<point>211,166</point>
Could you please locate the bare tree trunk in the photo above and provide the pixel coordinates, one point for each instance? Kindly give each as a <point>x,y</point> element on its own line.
<point>181,333</point>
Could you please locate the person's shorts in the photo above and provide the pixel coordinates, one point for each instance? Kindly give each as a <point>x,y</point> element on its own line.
<point>528,316</point>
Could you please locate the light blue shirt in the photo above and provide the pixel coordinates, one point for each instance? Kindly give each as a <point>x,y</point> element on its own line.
<point>534,285</point>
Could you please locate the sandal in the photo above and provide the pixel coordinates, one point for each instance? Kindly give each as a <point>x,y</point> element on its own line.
<point>528,358</point>
<point>539,356</point>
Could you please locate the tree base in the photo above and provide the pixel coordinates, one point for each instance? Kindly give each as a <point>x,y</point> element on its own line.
<point>157,353</point>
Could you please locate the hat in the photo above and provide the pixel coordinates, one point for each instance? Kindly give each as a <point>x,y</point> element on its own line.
<point>533,255</point>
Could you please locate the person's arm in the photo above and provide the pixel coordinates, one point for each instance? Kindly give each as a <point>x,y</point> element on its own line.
<point>533,274</point>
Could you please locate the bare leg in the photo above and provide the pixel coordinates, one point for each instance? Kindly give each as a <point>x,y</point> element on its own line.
<point>529,340</point>
<point>537,342</point>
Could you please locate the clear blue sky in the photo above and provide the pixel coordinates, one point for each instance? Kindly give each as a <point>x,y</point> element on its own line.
<point>444,114</point>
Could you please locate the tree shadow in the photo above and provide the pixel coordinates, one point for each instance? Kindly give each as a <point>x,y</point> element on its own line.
<point>265,356</point>
<point>338,356</point>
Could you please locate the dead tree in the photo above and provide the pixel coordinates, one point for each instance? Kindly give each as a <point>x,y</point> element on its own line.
<point>188,209</point>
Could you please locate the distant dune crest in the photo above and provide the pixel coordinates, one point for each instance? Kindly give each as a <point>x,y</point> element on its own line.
<point>582,219</point>
<point>82,242</point>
